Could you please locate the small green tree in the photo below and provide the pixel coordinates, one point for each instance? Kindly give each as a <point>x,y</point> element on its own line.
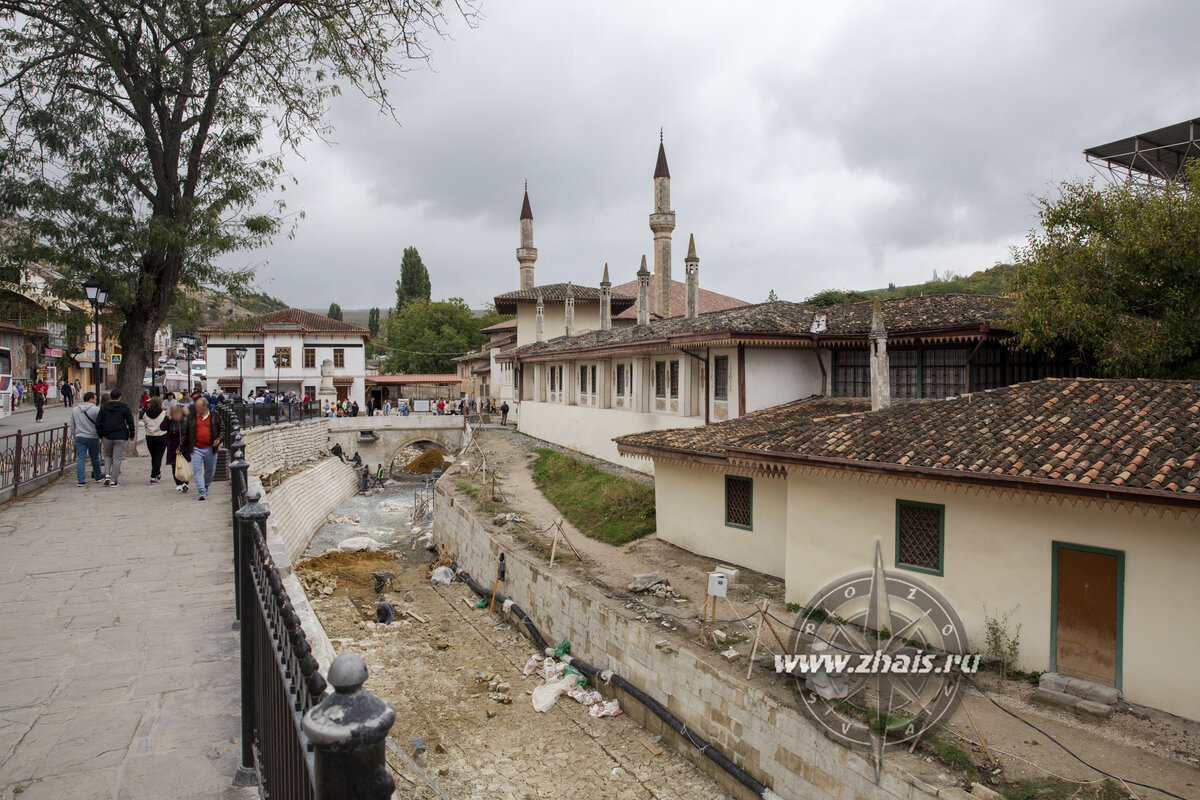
<point>1115,272</point>
<point>373,322</point>
<point>335,312</point>
<point>771,296</point>
<point>414,279</point>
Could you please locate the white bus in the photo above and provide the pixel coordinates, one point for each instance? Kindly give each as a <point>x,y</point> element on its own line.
<point>6,383</point>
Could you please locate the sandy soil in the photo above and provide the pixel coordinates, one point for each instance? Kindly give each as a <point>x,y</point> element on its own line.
<point>1137,744</point>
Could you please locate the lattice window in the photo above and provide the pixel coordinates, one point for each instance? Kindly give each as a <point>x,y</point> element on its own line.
<point>674,379</point>
<point>919,536</point>
<point>721,378</point>
<point>593,384</point>
<point>945,373</point>
<point>283,357</point>
<point>739,502</point>
<point>905,373</point>
<point>660,379</point>
<point>583,373</point>
<point>988,366</point>
<point>620,380</point>
<point>851,373</point>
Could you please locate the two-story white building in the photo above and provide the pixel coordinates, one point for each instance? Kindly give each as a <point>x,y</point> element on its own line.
<point>284,351</point>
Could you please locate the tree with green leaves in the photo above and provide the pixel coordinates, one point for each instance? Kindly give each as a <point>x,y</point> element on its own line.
<point>414,279</point>
<point>835,297</point>
<point>335,312</point>
<point>1114,272</point>
<point>140,139</point>
<point>772,297</point>
<point>425,335</point>
<point>373,322</point>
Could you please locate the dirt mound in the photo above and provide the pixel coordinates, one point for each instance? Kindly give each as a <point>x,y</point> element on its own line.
<point>426,462</point>
<point>345,573</point>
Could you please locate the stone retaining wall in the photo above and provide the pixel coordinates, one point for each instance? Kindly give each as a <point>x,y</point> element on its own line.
<point>300,505</point>
<point>277,448</point>
<point>772,742</point>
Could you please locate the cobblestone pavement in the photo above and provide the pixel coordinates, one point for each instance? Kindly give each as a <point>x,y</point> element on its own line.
<point>118,665</point>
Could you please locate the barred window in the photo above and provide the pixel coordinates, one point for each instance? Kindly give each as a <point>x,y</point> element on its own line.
<point>945,373</point>
<point>904,373</point>
<point>989,368</point>
<point>920,529</point>
<point>660,379</point>
<point>851,373</point>
<point>739,502</point>
<point>721,378</point>
<point>620,380</point>
<point>310,357</point>
<point>674,379</point>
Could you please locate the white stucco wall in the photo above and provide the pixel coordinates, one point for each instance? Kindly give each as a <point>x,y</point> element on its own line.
<point>690,512</point>
<point>998,555</point>
<point>591,430</point>
<point>293,378</point>
<point>587,317</point>
<point>775,376</point>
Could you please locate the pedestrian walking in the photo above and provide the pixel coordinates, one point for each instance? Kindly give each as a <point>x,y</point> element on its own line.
<point>116,427</point>
<point>441,406</point>
<point>176,433</point>
<point>39,400</point>
<point>156,436</point>
<point>87,440</point>
<point>504,413</point>
<point>66,392</point>
<point>204,435</point>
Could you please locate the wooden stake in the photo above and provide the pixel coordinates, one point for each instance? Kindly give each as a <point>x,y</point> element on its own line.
<point>757,633</point>
<point>982,741</point>
<point>495,588</point>
<point>554,545</point>
<point>767,621</point>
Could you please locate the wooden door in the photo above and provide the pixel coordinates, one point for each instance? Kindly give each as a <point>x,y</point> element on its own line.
<point>1088,610</point>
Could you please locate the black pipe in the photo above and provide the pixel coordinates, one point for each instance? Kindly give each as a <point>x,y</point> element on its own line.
<point>677,725</point>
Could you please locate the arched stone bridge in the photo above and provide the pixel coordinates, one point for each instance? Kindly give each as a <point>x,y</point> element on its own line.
<point>379,439</point>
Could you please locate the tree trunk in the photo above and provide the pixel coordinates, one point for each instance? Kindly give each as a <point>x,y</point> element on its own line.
<point>142,321</point>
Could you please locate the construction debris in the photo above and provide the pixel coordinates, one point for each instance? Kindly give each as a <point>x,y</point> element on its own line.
<point>358,544</point>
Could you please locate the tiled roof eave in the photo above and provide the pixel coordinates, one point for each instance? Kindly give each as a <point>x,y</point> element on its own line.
<point>765,458</point>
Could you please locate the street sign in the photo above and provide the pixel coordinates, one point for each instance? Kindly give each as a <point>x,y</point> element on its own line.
<point>115,358</point>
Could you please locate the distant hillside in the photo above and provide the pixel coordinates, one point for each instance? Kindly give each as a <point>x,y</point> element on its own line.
<point>994,280</point>
<point>209,308</point>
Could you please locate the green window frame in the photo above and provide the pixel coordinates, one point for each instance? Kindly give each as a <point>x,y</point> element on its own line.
<point>739,502</point>
<point>914,526</point>
<point>721,378</point>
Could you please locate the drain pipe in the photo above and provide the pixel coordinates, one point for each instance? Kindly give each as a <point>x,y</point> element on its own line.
<point>608,676</point>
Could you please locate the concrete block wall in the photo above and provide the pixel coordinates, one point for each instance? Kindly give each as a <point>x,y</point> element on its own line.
<point>773,742</point>
<point>300,505</point>
<point>275,448</point>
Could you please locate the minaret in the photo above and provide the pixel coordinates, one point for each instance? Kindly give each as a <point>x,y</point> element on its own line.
<point>569,311</point>
<point>539,316</point>
<point>605,301</point>
<point>526,253</point>
<point>643,299</point>
<point>691,266</point>
<point>881,380</point>
<point>662,222</point>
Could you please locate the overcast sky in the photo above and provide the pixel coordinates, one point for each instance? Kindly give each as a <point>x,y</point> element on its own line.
<point>811,146</point>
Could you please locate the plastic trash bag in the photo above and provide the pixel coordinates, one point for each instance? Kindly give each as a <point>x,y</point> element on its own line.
<point>546,695</point>
<point>585,697</point>
<point>442,575</point>
<point>607,709</point>
<point>552,670</point>
<point>531,666</point>
<point>357,544</point>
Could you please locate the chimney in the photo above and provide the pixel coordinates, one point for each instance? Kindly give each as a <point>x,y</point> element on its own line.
<point>881,382</point>
<point>540,316</point>
<point>691,266</point>
<point>643,299</point>
<point>605,301</point>
<point>569,311</point>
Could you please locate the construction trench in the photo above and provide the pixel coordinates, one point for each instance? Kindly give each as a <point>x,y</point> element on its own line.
<point>465,725</point>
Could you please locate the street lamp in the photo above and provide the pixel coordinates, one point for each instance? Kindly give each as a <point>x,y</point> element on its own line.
<point>188,341</point>
<point>278,363</point>
<point>97,295</point>
<point>240,352</point>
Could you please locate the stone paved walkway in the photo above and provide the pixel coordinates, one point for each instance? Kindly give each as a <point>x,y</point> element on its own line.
<point>118,666</point>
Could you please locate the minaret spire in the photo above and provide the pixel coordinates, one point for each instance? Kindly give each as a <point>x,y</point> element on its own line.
<point>526,253</point>
<point>662,222</point>
<point>605,301</point>
<point>643,295</point>
<point>691,266</point>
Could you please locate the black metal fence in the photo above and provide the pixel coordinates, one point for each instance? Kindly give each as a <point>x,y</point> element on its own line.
<point>297,741</point>
<point>253,415</point>
<point>26,456</point>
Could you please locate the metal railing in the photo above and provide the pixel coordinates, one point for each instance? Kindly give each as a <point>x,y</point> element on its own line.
<point>253,415</point>
<point>298,742</point>
<point>26,456</point>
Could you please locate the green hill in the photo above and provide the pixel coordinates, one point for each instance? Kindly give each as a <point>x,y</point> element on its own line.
<point>994,280</point>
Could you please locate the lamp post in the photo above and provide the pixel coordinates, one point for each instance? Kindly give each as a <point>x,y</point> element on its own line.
<point>240,352</point>
<point>188,340</point>
<point>278,363</point>
<point>97,295</point>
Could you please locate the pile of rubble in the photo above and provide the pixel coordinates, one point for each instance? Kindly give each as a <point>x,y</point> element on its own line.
<point>653,584</point>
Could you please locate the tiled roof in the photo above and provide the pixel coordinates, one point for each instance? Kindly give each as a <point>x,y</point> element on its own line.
<point>474,354</point>
<point>505,325</point>
<point>709,301</point>
<point>1090,434</point>
<point>714,439</point>
<point>400,380</point>
<point>910,315</point>
<point>556,293</point>
<point>306,320</point>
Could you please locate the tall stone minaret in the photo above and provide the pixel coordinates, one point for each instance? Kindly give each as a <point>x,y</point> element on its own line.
<point>605,301</point>
<point>691,266</point>
<point>643,296</point>
<point>662,222</point>
<point>526,253</point>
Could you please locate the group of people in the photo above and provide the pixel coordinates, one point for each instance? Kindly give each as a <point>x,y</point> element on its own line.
<point>176,428</point>
<point>341,408</point>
